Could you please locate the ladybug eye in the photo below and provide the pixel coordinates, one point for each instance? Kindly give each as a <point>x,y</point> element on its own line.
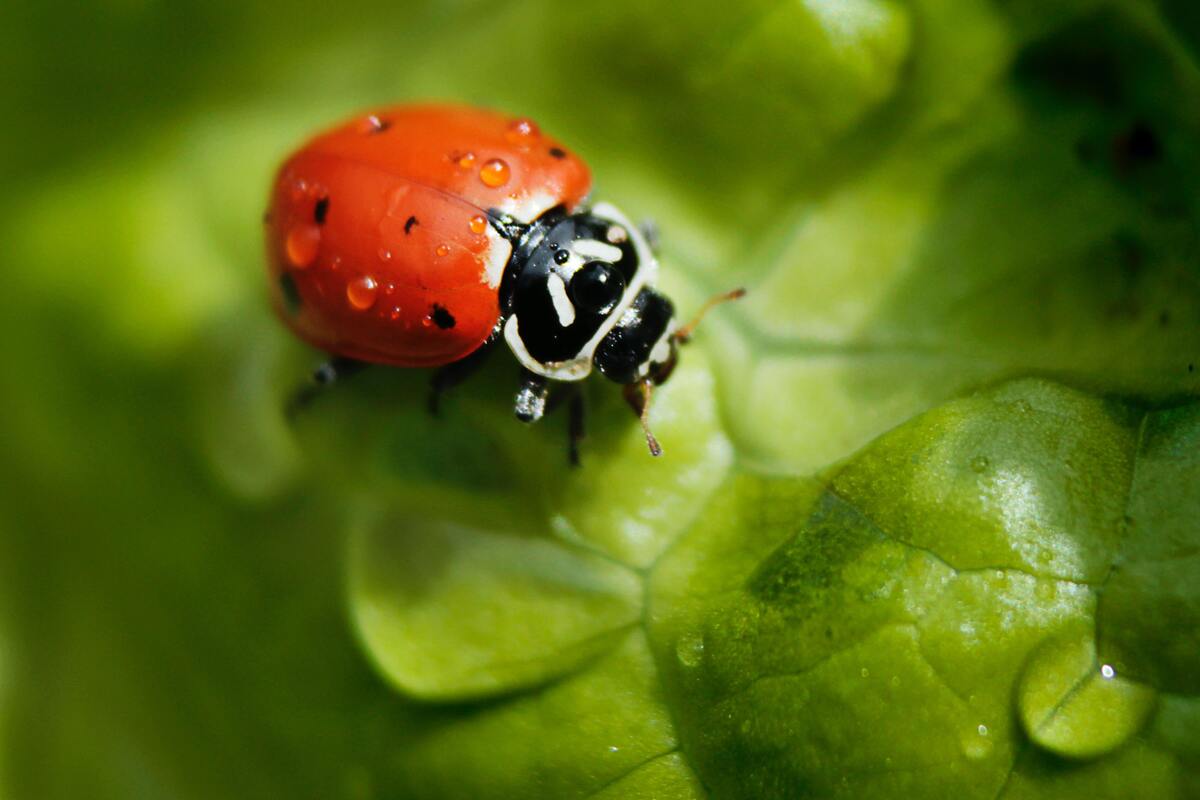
<point>597,287</point>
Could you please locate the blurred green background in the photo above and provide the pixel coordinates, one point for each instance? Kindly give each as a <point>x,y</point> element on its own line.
<point>926,200</point>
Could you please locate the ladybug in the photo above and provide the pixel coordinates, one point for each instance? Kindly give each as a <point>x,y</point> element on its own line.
<point>421,235</point>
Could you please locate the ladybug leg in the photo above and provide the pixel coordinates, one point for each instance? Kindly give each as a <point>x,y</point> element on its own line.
<point>649,230</point>
<point>336,368</point>
<point>575,426</point>
<point>530,402</point>
<point>572,394</point>
<point>454,373</point>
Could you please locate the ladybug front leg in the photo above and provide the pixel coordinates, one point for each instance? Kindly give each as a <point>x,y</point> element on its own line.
<point>572,394</point>
<point>335,369</point>
<point>575,425</point>
<point>530,402</point>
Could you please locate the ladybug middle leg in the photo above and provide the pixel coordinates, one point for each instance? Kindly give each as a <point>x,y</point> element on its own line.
<point>335,369</point>
<point>446,378</point>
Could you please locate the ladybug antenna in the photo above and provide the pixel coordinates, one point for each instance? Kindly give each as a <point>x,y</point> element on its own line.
<point>684,335</point>
<point>638,396</point>
<point>506,225</point>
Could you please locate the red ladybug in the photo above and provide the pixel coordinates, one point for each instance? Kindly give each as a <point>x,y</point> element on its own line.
<point>417,236</point>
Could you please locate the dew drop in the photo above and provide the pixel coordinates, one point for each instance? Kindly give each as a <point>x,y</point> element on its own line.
<point>1070,707</point>
<point>465,160</point>
<point>442,249</point>
<point>372,124</point>
<point>522,131</point>
<point>1107,672</point>
<point>361,293</point>
<point>980,464</point>
<point>394,314</point>
<point>302,245</point>
<point>299,190</point>
<point>478,224</point>
<point>690,650</point>
<point>385,254</point>
<point>494,173</point>
<point>975,744</point>
<point>864,672</point>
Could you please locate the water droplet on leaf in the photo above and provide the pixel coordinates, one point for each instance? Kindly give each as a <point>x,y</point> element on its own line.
<point>690,650</point>
<point>1069,706</point>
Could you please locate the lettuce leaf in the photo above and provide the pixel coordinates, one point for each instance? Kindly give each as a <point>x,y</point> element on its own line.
<point>925,524</point>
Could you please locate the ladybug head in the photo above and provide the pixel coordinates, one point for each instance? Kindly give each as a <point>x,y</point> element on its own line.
<point>579,292</point>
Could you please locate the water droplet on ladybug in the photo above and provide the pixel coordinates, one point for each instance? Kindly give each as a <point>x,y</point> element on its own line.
<point>442,249</point>
<point>394,314</point>
<point>522,131</point>
<point>302,245</point>
<point>372,124</point>
<point>299,190</point>
<point>361,293</point>
<point>385,254</point>
<point>494,173</point>
<point>389,289</point>
<point>466,160</point>
<point>478,224</point>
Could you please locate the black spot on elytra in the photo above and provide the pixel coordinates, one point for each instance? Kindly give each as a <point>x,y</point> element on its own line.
<point>442,318</point>
<point>321,210</point>
<point>558,152</point>
<point>408,225</point>
<point>291,295</point>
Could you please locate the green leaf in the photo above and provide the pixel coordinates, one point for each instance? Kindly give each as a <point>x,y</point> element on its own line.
<point>585,734</point>
<point>882,630</point>
<point>451,612</point>
<point>925,522</point>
